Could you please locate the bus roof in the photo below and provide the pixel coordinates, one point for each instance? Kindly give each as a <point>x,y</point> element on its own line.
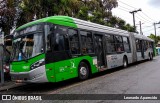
<point>77,23</point>
<point>61,20</point>
<point>139,36</point>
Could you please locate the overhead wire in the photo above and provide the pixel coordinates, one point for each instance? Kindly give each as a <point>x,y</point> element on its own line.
<point>149,30</point>
<point>127,4</point>
<point>145,18</point>
<point>130,6</point>
<point>140,19</point>
<point>123,9</point>
<point>138,14</point>
<point>127,10</point>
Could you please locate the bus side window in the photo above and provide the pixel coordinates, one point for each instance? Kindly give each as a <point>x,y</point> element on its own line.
<point>74,41</point>
<point>49,30</point>
<point>126,44</point>
<point>111,47</point>
<point>145,45</point>
<point>60,39</point>
<point>119,44</point>
<point>87,42</point>
<point>138,45</point>
<point>48,43</point>
<point>151,44</point>
<point>148,44</point>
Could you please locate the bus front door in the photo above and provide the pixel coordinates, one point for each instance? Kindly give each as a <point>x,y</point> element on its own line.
<point>99,50</point>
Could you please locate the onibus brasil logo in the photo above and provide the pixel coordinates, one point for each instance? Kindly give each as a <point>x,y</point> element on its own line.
<point>20,97</point>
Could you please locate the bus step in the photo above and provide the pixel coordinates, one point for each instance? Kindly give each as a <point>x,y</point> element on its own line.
<point>102,68</point>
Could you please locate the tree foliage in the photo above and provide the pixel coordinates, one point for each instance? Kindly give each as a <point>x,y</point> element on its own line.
<point>156,38</point>
<point>7,14</point>
<point>14,13</point>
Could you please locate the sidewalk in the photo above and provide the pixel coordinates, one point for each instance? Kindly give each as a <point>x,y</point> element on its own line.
<point>9,85</point>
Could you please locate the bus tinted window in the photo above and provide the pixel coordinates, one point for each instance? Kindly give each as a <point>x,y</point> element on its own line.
<point>111,48</point>
<point>48,33</point>
<point>118,39</point>
<point>126,44</point>
<point>145,44</point>
<point>60,39</point>
<point>138,45</point>
<point>74,41</point>
<point>87,42</point>
<point>150,44</point>
<point>119,44</point>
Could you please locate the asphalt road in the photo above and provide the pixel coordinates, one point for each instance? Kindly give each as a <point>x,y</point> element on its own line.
<point>140,78</point>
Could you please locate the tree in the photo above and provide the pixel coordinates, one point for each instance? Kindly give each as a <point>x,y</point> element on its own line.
<point>108,5</point>
<point>30,10</point>
<point>113,21</point>
<point>7,15</point>
<point>129,28</point>
<point>121,23</point>
<point>157,38</point>
<point>24,11</point>
<point>83,13</point>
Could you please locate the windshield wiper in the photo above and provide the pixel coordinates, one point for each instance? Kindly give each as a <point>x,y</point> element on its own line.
<point>25,58</point>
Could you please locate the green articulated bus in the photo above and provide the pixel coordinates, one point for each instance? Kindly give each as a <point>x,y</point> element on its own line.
<point>58,48</point>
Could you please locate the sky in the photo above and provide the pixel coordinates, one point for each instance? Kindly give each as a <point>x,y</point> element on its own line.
<point>150,14</point>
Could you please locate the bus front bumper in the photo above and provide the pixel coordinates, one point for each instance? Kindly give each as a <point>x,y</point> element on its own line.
<point>37,75</point>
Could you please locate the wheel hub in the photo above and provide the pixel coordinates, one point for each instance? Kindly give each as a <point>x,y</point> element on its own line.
<point>83,71</point>
<point>125,64</point>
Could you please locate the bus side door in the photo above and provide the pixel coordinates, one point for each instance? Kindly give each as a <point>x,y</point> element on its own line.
<point>99,50</point>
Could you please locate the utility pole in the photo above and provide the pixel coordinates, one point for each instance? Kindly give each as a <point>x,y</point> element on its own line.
<point>140,25</point>
<point>155,31</point>
<point>133,12</point>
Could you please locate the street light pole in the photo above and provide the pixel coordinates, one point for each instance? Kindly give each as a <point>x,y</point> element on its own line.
<point>133,12</point>
<point>155,31</point>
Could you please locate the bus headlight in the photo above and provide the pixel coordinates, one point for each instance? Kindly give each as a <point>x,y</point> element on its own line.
<point>37,64</point>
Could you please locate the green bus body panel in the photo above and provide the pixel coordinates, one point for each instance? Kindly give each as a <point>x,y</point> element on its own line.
<point>60,20</point>
<point>24,66</point>
<point>67,69</point>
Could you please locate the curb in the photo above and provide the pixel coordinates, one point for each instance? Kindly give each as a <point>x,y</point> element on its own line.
<point>9,85</point>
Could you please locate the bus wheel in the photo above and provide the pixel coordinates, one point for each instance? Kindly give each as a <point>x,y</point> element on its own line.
<point>125,62</point>
<point>151,56</point>
<point>83,71</point>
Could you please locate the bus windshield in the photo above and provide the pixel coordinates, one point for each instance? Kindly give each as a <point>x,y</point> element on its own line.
<point>27,46</point>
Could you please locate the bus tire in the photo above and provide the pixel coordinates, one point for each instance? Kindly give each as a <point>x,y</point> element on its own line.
<point>151,56</point>
<point>83,71</point>
<point>125,62</point>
